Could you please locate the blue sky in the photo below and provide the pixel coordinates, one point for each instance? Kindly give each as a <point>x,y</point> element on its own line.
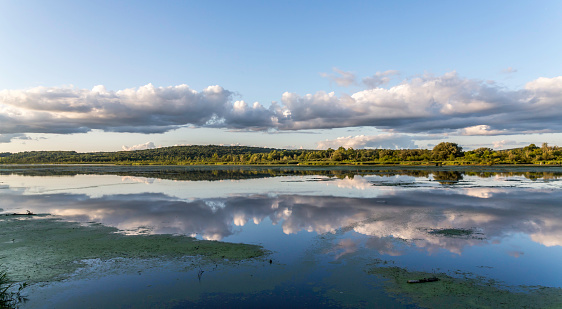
<point>403,74</point>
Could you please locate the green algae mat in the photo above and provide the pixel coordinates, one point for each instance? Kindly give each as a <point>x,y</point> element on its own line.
<point>465,292</point>
<point>35,249</point>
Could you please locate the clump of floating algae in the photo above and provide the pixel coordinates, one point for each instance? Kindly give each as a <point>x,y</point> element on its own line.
<point>462,233</point>
<point>451,232</point>
<point>451,292</point>
<point>44,249</point>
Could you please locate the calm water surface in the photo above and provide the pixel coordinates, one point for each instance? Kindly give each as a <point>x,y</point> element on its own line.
<point>325,228</point>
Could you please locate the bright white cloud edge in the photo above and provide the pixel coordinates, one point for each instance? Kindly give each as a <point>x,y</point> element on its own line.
<point>423,105</point>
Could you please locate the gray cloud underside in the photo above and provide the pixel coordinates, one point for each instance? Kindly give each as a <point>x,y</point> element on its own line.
<point>6,138</point>
<point>427,104</point>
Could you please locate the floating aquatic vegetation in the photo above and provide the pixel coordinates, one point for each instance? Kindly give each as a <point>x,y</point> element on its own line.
<point>452,232</point>
<point>465,292</point>
<point>465,233</point>
<point>43,249</point>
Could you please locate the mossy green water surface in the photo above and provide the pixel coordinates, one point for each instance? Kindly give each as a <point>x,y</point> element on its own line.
<point>45,248</point>
<point>466,292</point>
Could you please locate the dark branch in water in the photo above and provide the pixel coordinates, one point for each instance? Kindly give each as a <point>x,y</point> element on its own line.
<point>432,279</point>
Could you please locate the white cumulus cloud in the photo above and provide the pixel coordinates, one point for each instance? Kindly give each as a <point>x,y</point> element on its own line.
<point>424,104</point>
<point>147,109</point>
<point>432,104</point>
<point>509,70</point>
<point>380,78</point>
<point>508,143</point>
<point>480,130</point>
<point>341,78</point>
<point>392,141</point>
<point>147,145</point>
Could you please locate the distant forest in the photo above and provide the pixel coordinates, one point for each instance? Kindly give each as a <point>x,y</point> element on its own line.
<point>442,154</point>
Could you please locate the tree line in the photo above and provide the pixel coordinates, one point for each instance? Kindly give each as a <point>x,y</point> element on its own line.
<point>444,153</point>
<point>444,175</point>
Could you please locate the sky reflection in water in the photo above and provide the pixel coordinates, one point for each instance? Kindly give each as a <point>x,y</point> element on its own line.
<point>515,221</point>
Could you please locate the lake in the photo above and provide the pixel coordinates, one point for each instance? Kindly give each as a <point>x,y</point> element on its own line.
<point>283,237</point>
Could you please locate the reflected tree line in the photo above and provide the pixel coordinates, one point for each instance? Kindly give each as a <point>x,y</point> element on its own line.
<point>443,153</point>
<point>442,174</point>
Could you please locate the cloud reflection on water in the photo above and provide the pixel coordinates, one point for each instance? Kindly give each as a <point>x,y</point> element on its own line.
<point>393,214</point>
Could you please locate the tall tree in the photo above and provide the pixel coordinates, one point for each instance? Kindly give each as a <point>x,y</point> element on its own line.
<point>446,151</point>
